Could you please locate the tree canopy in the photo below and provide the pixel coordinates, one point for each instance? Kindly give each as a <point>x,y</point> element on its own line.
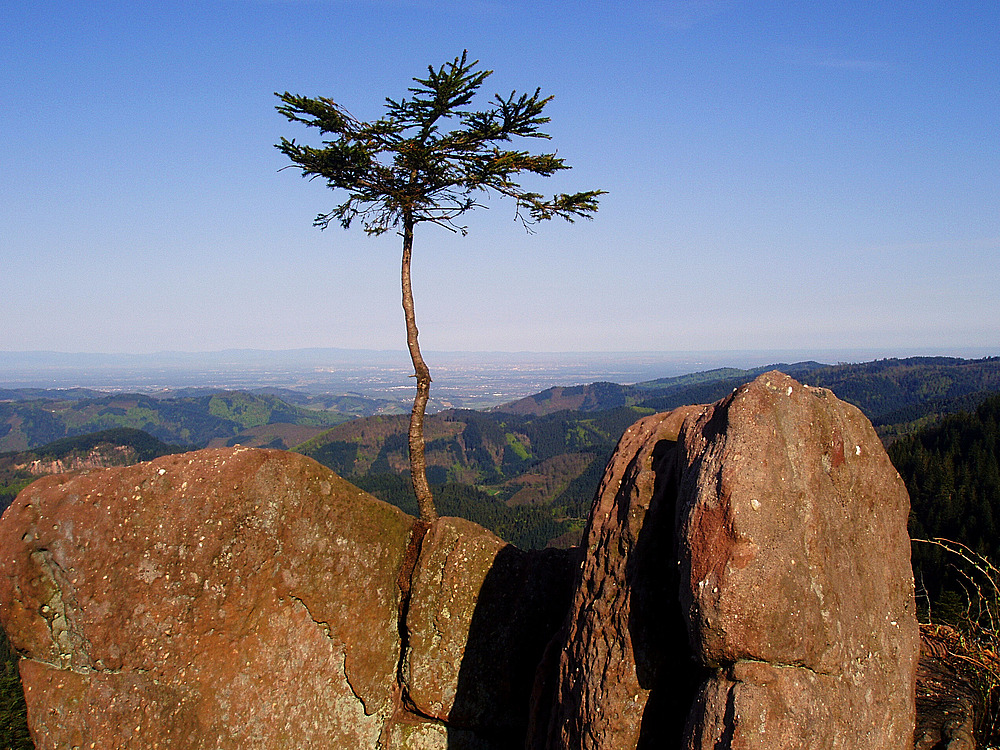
<point>410,165</point>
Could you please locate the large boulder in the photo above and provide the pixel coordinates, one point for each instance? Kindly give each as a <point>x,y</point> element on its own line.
<point>771,527</point>
<point>795,574</point>
<point>249,598</point>
<point>225,598</point>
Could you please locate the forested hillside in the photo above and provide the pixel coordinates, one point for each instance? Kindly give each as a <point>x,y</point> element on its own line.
<point>524,463</point>
<point>538,453</point>
<point>952,472</point>
<point>191,420</point>
<point>898,395</point>
<point>120,446</point>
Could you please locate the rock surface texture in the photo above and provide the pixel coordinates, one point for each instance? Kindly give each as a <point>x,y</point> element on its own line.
<point>791,563</point>
<point>745,584</point>
<point>795,574</point>
<point>245,598</point>
<point>230,598</point>
<point>480,616</point>
<point>626,633</point>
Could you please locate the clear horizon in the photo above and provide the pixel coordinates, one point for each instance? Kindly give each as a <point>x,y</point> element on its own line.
<point>461,379</point>
<point>962,352</point>
<point>780,176</point>
<point>316,365</point>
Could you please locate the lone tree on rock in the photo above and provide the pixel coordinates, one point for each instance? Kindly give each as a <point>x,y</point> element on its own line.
<point>407,168</point>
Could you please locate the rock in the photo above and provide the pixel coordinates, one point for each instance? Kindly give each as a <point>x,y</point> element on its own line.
<point>456,556</point>
<point>98,457</point>
<point>217,599</point>
<point>480,615</point>
<point>251,598</point>
<point>625,629</point>
<point>746,584</point>
<point>795,574</point>
<point>409,733</point>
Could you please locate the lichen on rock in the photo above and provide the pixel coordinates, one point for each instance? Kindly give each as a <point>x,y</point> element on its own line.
<point>223,598</point>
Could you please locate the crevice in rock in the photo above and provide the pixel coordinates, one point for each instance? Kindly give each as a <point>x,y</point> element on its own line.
<point>733,667</point>
<point>725,741</point>
<point>66,638</point>
<point>354,691</point>
<point>328,633</point>
<point>666,664</point>
<point>323,625</point>
<point>405,582</point>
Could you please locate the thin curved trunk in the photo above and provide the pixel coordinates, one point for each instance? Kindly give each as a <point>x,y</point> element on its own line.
<point>418,464</point>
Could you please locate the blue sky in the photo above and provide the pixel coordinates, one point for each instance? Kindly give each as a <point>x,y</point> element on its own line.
<point>780,175</point>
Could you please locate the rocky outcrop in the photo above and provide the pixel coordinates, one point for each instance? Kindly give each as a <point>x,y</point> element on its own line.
<point>97,458</point>
<point>776,521</point>
<point>625,633</point>
<point>795,574</point>
<point>745,583</point>
<point>246,598</point>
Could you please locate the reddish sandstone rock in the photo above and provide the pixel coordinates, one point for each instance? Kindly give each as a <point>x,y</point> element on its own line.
<point>244,598</point>
<point>480,615</point>
<point>625,642</point>
<point>746,584</point>
<point>218,599</point>
<point>795,574</point>
<point>456,555</point>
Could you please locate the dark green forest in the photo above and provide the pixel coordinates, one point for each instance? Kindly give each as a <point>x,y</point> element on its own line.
<point>952,472</point>
<point>897,395</point>
<point>525,527</point>
<point>528,478</point>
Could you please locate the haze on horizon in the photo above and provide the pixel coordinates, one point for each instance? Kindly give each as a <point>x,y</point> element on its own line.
<point>780,176</point>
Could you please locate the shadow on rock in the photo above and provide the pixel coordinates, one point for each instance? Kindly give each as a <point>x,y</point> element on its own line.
<point>664,661</point>
<point>522,603</point>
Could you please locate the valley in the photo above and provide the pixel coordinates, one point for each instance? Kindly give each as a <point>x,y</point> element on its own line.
<point>527,469</point>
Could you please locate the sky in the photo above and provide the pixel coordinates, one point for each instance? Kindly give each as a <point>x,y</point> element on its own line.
<point>779,175</point>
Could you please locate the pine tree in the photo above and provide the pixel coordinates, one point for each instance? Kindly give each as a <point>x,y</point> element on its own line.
<point>407,169</point>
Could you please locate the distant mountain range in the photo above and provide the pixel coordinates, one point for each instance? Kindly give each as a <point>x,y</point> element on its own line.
<point>891,392</point>
<point>470,380</point>
<point>546,451</point>
<point>894,393</point>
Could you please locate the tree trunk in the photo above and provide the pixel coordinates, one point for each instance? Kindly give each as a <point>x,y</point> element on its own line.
<point>418,465</point>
